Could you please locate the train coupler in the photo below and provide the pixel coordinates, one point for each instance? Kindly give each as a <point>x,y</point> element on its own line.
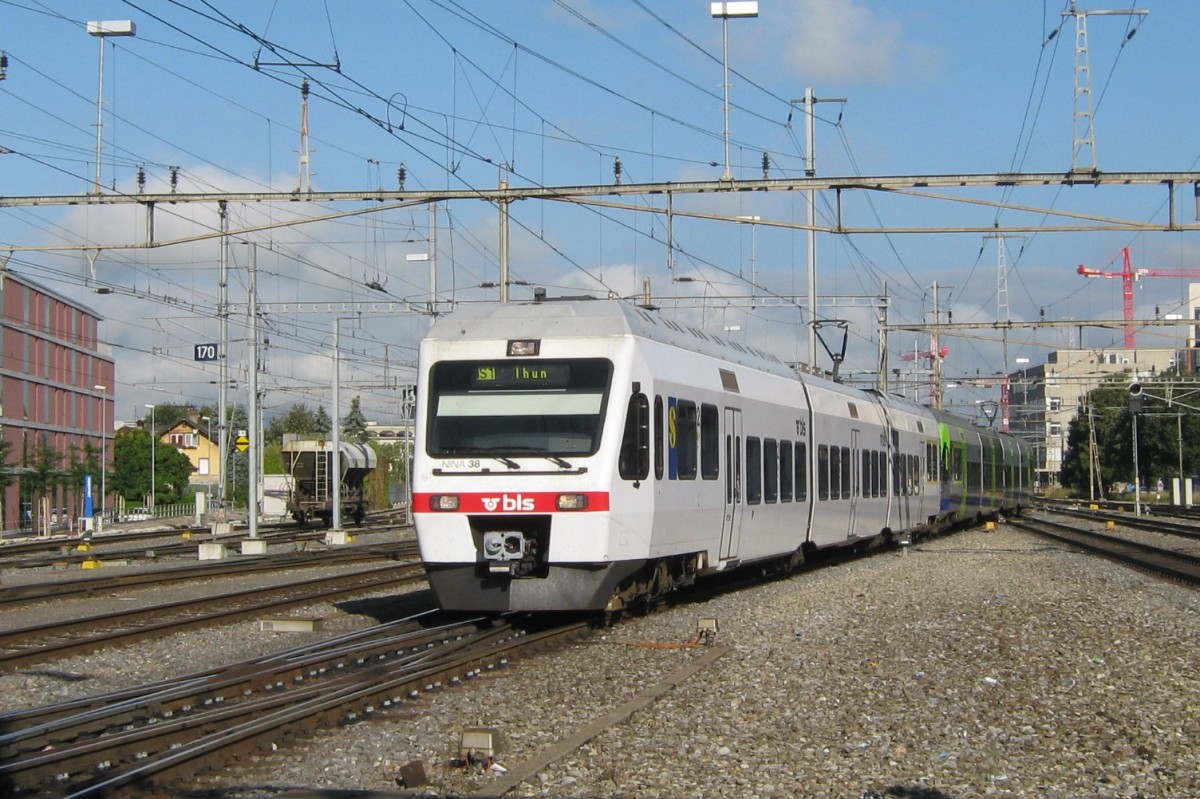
<point>503,551</point>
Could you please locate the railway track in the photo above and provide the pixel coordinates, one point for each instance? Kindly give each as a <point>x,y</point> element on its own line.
<point>41,643</point>
<point>169,731</point>
<point>1117,507</point>
<point>1120,516</point>
<point>14,595</point>
<point>167,541</point>
<point>1170,563</point>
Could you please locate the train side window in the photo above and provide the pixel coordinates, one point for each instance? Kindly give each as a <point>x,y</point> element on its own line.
<point>846,472</point>
<point>710,442</point>
<point>634,460</point>
<point>801,471</point>
<point>659,448</point>
<point>685,439</point>
<point>785,471</point>
<point>753,470</point>
<point>771,470</point>
<point>823,471</point>
<point>880,473</point>
<point>865,458</point>
<point>835,472</point>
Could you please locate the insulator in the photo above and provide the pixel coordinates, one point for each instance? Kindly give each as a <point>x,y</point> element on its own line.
<point>174,178</point>
<point>401,176</point>
<point>304,89</point>
<point>617,170</point>
<point>766,163</point>
<point>141,179</point>
<point>3,65</point>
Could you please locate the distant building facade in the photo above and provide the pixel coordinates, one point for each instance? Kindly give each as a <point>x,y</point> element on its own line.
<point>56,391</point>
<point>1044,398</point>
<point>191,437</point>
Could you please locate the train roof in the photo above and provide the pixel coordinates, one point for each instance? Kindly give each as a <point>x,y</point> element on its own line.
<point>595,319</point>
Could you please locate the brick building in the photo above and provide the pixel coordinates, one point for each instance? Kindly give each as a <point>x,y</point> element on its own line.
<point>56,391</point>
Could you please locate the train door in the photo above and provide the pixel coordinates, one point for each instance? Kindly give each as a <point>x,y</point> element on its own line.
<point>732,521</point>
<point>900,492</point>
<point>855,482</point>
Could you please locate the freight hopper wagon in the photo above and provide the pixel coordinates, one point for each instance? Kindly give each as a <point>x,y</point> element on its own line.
<point>310,464</point>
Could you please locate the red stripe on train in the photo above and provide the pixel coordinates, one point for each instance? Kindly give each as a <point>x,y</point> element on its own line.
<point>512,502</point>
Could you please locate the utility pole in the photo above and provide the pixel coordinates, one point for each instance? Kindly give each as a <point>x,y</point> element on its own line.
<point>504,201</point>
<point>1084,124</point>
<point>254,483</point>
<point>810,170</point>
<point>304,176</point>
<point>1003,316</point>
<point>938,392</point>
<point>223,389</point>
<point>881,316</point>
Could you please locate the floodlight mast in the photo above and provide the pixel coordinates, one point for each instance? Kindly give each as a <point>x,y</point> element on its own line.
<point>723,11</point>
<point>102,29</point>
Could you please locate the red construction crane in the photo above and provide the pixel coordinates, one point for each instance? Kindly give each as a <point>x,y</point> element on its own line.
<point>1128,275</point>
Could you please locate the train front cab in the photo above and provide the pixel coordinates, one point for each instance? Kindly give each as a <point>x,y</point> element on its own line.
<point>515,484</point>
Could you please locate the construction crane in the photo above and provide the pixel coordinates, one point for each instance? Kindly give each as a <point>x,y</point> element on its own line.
<point>1128,275</point>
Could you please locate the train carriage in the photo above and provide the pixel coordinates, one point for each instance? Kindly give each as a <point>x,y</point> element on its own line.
<point>588,455</point>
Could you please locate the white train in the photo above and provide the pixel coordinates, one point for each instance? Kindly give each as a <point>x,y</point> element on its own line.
<point>592,455</point>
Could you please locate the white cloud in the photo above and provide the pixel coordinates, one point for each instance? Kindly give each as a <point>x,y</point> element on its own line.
<point>841,40</point>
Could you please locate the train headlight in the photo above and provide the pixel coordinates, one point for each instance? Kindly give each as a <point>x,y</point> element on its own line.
<point>443,502</point>
<point>572,502</point>
<point>526,347</point>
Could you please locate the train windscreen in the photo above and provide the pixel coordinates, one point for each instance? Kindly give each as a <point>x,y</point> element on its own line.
<point>517,407</point>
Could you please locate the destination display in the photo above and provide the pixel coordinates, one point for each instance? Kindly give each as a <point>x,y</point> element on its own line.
<point>527,375</point>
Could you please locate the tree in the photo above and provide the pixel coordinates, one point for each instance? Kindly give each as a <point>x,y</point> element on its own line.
<point>299,420</point>
<point>82,465</point>
<point>6,475</point>
<point>132,468</point>
<point>354,424</point>
<point>1162,428</point>
<point>392,467</point>
<point>167,413</point>
<point>322,424</point>
<point>236,473</point>
<point>43,477</point>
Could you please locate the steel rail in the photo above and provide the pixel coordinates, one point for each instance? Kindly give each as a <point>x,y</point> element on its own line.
<point>1157,560</point>
<point>31,645</point>
<point>11,595</point>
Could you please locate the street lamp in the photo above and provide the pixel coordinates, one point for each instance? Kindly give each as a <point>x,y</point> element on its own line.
<point>101,30</point>
<point>725,10</point>
<point>152,448</point>
<point>103,448</point>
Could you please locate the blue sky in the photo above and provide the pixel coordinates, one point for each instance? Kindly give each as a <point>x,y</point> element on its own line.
<point>553,93</point>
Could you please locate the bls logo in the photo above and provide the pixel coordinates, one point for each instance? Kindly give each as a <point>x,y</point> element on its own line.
<point>507,503</point>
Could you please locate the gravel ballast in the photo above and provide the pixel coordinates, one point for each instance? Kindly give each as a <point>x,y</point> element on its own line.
<point>983,664</point>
